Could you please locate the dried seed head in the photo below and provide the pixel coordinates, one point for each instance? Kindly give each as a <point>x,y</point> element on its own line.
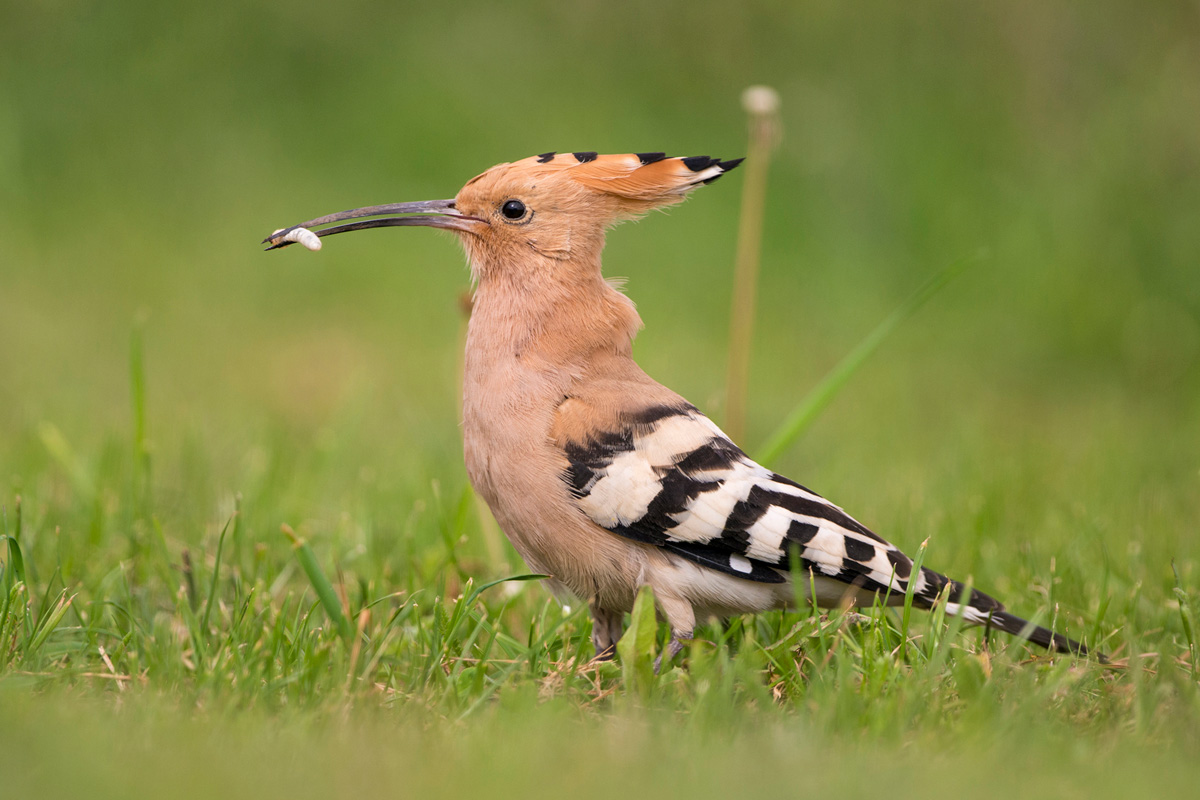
<point>760,100</point>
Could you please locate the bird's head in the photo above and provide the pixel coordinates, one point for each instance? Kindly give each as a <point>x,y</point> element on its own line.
<point>556,206</point>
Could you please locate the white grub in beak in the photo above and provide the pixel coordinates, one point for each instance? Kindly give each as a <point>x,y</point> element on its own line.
<point>300,235</point>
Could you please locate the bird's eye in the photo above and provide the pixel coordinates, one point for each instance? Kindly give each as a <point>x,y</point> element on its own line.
<point>513,209</point>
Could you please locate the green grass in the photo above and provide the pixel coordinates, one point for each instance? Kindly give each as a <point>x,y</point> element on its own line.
<point>172,399</point>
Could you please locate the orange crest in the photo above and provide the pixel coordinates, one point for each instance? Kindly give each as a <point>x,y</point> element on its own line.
<point>639,181</point>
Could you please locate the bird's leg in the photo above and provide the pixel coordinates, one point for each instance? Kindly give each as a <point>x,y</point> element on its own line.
<point>606,630</point>
<point>682,619</point>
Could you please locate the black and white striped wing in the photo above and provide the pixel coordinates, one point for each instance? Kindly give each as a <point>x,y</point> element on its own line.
<point>675,480</point>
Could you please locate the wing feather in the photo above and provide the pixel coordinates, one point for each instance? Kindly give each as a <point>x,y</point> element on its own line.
<point>673,479</point>
<point>668,476</point>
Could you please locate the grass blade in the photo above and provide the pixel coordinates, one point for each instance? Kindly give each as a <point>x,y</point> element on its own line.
<point>12,614</point>
<point>320,583</point>
<point>823,393</point>
<point>909,592</point>
<point>1187,618</point>
<point>16,562</point>
<point>532,576</point>
<point>47,624</point>
<point>212,589</point>
<point>636,647</point>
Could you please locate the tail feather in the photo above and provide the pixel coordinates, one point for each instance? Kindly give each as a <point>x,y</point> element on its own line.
<point>982,609</point>
<point>931,585</point>
<point>1011,623</point>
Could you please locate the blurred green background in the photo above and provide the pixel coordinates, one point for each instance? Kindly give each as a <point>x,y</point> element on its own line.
<point>1041,415</point>
<point>147,149</point>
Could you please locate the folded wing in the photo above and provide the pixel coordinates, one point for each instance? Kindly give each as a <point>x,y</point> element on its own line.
<point>668,476</point>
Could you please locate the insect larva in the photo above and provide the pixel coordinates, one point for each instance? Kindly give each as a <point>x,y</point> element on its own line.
<point>299,235</point>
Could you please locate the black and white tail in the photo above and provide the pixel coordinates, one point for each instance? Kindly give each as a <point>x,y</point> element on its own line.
<point>982,609</point>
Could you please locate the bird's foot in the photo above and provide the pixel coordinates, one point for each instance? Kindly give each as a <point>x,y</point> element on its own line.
<point>605,654</point>
<point>673,648</point>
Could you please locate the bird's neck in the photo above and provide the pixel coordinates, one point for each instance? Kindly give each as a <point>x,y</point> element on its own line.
<point>556,315</point>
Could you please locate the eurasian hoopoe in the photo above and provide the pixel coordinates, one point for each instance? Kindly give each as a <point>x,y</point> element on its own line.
<point>602,478</point>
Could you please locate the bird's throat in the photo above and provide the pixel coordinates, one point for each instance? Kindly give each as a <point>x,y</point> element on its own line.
<point>554,317</point>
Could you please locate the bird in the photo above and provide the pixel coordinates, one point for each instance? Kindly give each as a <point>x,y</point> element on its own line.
<point>602,478</point>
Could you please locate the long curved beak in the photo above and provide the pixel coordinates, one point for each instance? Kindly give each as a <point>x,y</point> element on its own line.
<point>430,213</point>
